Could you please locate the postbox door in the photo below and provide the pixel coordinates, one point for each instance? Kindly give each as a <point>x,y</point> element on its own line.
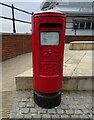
<point>50,58</point>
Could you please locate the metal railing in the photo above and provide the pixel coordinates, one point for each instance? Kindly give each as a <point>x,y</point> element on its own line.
<point>27,22</point>
<point>13,15</point>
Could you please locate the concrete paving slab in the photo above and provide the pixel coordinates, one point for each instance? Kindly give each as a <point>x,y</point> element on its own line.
<point>80,59</point>
<point>13,67</point>
<point>81,45</point>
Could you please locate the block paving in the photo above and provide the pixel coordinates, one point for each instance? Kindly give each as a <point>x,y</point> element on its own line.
<point>74,104</point>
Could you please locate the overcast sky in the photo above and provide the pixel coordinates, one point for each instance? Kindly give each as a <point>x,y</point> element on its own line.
<point>28,5</point>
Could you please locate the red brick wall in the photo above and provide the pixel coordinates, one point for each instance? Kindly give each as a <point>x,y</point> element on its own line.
<point>71,38</point>
<point>12,45</point>
<point>15,44</point>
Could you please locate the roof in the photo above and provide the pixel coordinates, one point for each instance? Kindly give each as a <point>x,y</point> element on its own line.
<point>48,4</point>
<point>70,8</point>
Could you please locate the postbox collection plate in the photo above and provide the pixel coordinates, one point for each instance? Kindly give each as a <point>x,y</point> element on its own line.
<point>49,38</point>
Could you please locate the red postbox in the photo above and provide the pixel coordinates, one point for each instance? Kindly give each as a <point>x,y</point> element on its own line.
<point>48,36</point>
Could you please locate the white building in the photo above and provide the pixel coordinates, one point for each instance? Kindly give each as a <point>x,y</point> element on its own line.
<point>78,13</point>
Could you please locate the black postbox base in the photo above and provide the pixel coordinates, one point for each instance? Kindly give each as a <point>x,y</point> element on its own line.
<point>47,100</point>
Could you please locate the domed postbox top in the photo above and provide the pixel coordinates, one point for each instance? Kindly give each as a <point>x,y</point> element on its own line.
<point>49,13</point>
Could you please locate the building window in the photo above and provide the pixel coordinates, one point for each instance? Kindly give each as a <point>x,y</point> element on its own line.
<point>93,26</point>
<point>75,25</point>
<point>88,24</point>
<point>82,24</point>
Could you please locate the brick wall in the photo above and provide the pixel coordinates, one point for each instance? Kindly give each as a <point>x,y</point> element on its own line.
<point>16,44</point>
<point>71,38</point>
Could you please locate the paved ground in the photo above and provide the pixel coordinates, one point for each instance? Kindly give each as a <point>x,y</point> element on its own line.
<point>73,105</point>
<point>11,68</point>
<point>77,61</point>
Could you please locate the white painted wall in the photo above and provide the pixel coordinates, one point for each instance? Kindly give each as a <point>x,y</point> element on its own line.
<point>79,32</point>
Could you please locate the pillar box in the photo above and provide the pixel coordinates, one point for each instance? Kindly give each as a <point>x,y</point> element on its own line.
<point>48,36</point>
